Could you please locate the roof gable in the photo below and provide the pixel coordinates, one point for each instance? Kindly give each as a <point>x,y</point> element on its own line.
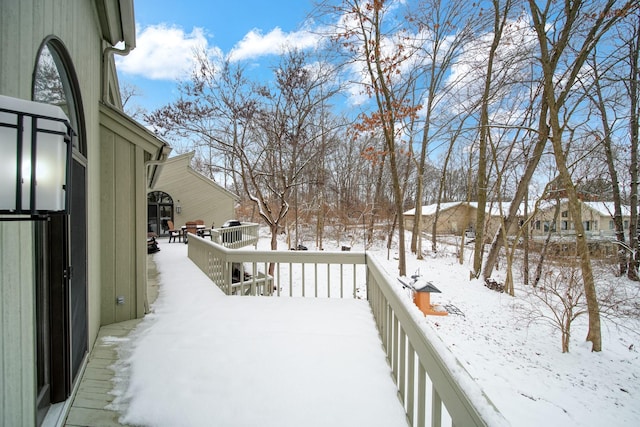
<point>183,162</point>
<point>492,209</point>
<point>607,208</point>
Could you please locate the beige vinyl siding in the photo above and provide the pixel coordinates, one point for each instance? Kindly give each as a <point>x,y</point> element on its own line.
<point>118,228</point>
<point>125,147</point>
<point>17,324</point>
<point>200,197</point>
<point>453,220</point>
<point>600,221</point>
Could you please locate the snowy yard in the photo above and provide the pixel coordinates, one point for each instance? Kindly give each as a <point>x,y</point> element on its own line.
<point>205,359</point>
<point>520,365</point>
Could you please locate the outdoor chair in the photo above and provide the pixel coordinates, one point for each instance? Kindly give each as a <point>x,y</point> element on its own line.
<point>173,233</point>
<point>190,227</point>
<point>206,232</point>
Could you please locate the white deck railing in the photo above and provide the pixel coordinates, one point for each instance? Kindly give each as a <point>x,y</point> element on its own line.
<point>428,390</point>
<point>236,237</point>
<point>281,273</point>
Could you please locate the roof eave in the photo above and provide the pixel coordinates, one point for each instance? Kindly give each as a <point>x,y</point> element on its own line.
<point>117,21</point>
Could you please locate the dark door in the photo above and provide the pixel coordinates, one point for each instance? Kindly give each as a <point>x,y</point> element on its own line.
<point>62,296</point>
<point>57,234</point>
<point>153,218</point>
<point>43,349</point>
<point>78,285</point>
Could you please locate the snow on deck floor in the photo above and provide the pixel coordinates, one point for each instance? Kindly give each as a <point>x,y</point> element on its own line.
<point>203,358</point>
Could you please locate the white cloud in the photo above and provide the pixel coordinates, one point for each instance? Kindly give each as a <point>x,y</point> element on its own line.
<point>164,52</point>
<point>255,44</point>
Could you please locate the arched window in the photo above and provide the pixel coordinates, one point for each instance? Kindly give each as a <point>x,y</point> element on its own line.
<point>54,83</point>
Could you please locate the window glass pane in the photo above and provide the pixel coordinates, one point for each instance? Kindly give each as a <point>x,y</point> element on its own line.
<point>52,85</point>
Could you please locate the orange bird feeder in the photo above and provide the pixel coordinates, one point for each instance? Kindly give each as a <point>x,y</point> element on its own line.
<point>422,298</point>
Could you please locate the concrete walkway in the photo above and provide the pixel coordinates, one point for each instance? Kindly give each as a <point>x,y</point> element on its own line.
<point>93,394</point>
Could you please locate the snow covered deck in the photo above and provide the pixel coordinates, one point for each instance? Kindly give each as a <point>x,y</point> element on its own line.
<point>204,358</point>
<point>336,344</point>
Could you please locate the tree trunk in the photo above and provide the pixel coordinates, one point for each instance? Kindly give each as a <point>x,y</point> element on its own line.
<point>498,25</point>
<point>582,248</point>
<point>598,100</point>
<point>525,261</point>
<point>634,233</point>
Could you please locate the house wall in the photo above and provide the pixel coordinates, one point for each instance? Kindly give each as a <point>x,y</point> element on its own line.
<point>17,313</point>
<point>598,223</point>
<point>24,25</point>
<point>454,220</point>
<point>200,198</point>
<point>125,148</point>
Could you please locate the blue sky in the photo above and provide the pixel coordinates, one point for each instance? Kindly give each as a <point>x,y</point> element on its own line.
<point>167,31</point>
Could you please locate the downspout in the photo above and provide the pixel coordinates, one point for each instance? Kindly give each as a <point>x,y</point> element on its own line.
<point>105,68</point>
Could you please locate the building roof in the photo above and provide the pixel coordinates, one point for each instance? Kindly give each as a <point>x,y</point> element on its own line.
<point>607,208</point>
<point>492,209</point>
<point>431,209</point>
<point>186,160</point>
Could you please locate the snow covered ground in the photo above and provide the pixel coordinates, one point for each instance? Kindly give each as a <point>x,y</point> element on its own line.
<point>520,364</point>
<point>204,359</point>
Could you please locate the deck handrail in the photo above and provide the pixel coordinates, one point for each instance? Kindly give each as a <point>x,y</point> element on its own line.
<point>219,263</point>
<point>238,236</point>
<point>406,343</point>
<point>415,358</point>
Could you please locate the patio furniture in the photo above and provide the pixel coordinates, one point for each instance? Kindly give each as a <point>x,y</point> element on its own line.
<point>204,232</point>
<point>152,244</point>
<point>189,227</point>
<point>173,233</point>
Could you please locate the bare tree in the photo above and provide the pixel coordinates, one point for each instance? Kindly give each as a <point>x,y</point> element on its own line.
<point>634,125</point>
<point>363,34</point>
<point>500,14</point>
<point>559,300</point>
<point>571,30</point>
<point>596,95</point>
<point>267,136</point>
<point>443,29</point>
<point>127,93</point>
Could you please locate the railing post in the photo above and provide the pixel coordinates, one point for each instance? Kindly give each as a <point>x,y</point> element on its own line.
<point>436,408</point>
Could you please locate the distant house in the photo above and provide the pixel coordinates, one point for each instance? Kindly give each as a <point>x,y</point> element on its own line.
<point>181,194</point>
<point>455,218</point>
<point>597,218</point>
